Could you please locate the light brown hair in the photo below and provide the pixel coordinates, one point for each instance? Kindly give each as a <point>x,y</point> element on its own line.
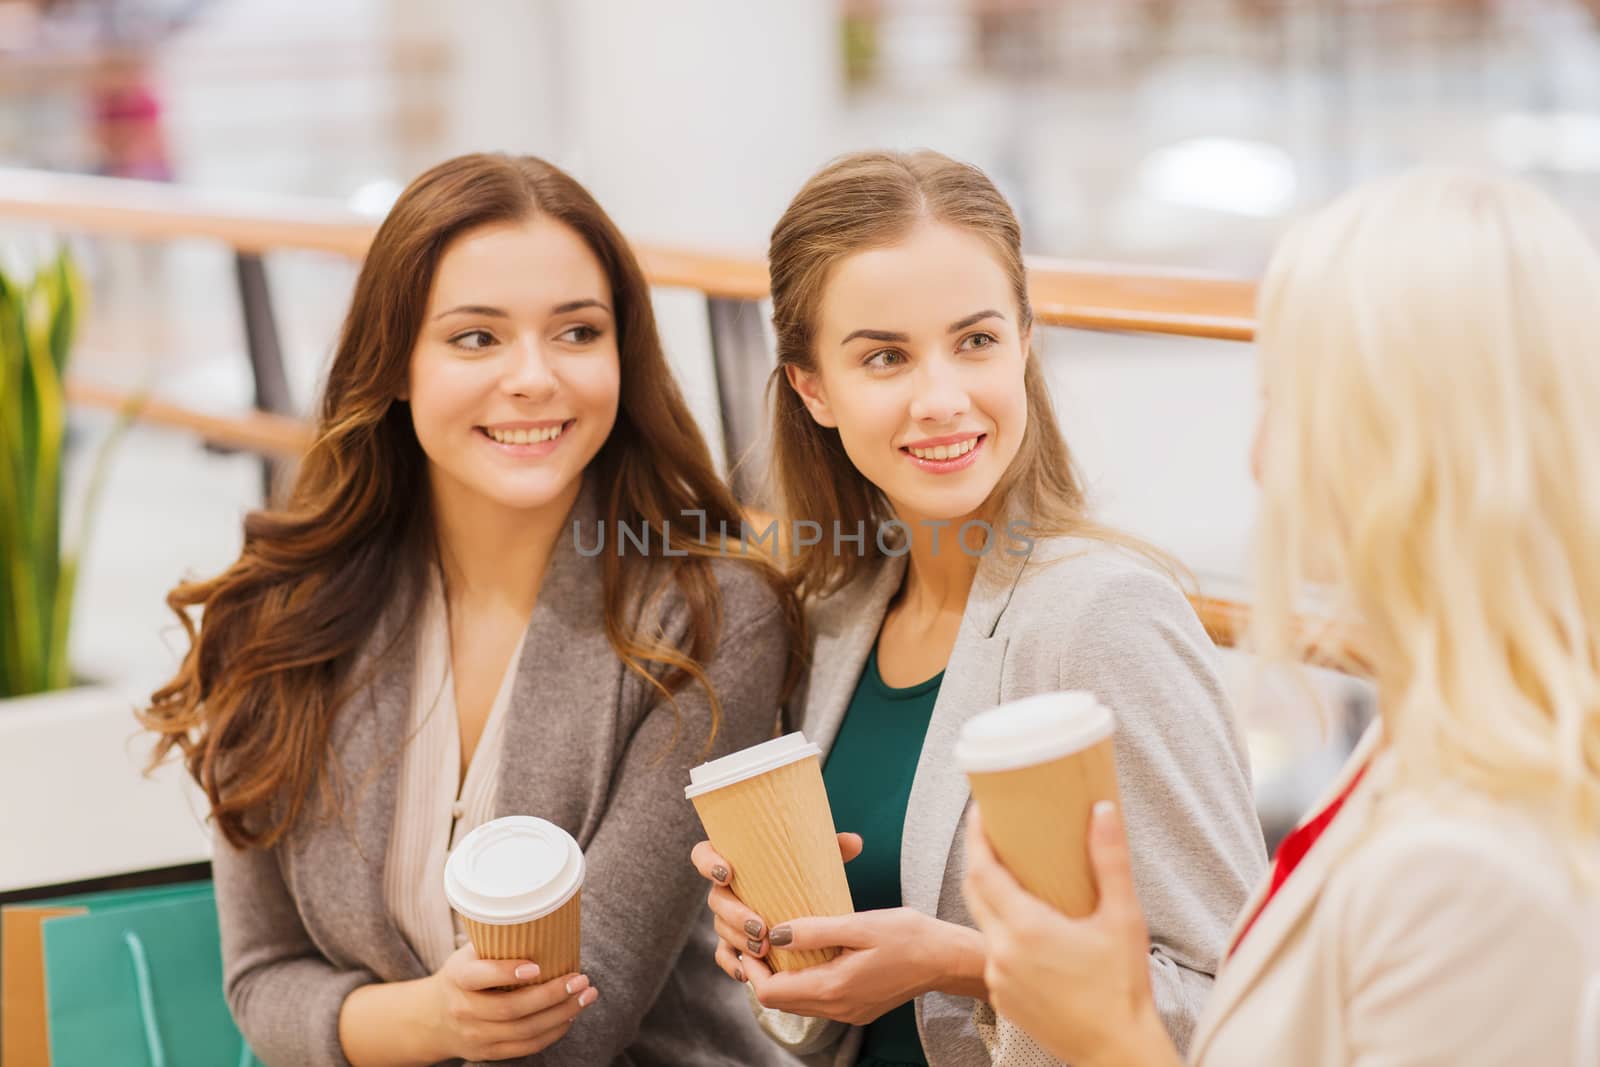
<point>269,663</point>
<point>870,200</point>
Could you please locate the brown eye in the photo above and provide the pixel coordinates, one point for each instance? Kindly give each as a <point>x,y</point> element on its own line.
<point>473,340</point>
<point>580,335</point>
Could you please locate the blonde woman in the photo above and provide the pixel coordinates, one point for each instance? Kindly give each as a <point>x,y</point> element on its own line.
<point>1430,453</point>
<point>958,566</point>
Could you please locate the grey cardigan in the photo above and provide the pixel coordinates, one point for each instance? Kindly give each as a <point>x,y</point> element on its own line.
<point>588,746</point>
<point>1075,614</point>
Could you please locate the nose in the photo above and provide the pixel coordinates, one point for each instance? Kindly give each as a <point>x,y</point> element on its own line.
<point>941,396</point>
<point>528,375</point>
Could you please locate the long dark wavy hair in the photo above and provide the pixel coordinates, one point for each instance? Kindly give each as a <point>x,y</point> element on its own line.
<point>271,656</point>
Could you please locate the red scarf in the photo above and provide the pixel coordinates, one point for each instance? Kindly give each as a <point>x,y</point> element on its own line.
<point>1294,848</point>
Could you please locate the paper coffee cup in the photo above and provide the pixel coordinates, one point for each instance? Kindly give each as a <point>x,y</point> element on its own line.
<point>517,884</point>
<point>1037,768</point>
<point>766,812</point>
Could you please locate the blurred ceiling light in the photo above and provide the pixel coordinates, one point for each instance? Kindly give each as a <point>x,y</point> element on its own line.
<point>375,198</point>
<point>1565,141</point>
<point>1221,174</point>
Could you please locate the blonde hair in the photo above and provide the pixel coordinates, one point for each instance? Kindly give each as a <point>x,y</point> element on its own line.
<point>869,200</point>
<point>1432,456</point>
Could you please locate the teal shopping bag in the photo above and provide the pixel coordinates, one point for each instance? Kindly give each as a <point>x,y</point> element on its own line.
<point>24,1035</point>
<point>140,985</point>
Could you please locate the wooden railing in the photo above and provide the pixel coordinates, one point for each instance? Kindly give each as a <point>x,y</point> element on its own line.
<point>1083,295</point>
<point>279,436</point>
<point>1089,296</point>
<point>1086,295</point>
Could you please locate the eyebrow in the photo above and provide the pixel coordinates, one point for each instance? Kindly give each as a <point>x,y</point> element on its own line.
<point>473,309</point>
<point>578,305</point>
<point>900,338</point>
<point>500,313</point>
<point>975,318</point>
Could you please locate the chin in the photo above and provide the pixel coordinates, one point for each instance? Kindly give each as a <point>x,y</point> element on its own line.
<point>527,497</point>
<point>948,507</point>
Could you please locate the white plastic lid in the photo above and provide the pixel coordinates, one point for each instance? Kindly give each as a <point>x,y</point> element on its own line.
<point>1032,731</point>
<point>513,870</point>
<point>749,762</point>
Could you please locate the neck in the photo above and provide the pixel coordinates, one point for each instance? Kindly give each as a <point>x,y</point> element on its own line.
<point>492,554</point>
<point>939,573</point>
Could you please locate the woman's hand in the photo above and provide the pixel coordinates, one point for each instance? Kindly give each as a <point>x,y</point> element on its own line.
<point>477,1017</point>
<point>741,931</point>
<point>885,958</point>
<point>1079,987</point>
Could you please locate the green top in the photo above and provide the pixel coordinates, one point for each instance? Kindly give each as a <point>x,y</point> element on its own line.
<point>868,775</point>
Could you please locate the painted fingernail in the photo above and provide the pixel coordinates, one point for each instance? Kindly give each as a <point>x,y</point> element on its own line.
<point>577,984</point>
<point>527,972</point>
<point>588,998</point>
<point>754,947</point>
<point>738,973</point>
<point>720,873</point>
<point>780,936</point>
<point>753,928</point>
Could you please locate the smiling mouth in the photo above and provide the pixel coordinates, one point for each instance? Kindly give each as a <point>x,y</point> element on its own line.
<point>536,436</point>
<point>944,453</point>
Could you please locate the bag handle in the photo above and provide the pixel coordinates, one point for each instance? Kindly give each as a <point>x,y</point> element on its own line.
<point>147,1006</point>
<point>147,999</point>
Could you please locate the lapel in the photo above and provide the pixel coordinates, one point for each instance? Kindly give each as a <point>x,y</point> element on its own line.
<point>972,683</point>
<point>1295,897</point>
<point>844,628</point>
<point>338,859</point>
<point>565,726</point>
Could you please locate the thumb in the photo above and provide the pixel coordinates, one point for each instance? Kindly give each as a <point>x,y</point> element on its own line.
<point>477,975</point>
<point>819,932</point>
<point>1112,866</point>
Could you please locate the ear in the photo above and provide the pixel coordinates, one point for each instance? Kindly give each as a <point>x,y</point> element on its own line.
<point>809,387</point>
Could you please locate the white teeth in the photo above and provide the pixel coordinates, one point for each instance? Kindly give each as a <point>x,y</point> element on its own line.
<point>938,452</point>
<point>526,437</point>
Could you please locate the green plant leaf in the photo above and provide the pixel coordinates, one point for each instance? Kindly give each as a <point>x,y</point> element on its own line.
<point>67,586</point>
<point>37,323</point>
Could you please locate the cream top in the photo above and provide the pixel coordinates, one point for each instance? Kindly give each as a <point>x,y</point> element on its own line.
<point>435,806</point>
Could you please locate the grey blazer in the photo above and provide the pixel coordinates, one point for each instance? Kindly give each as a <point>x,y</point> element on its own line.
<point>587,746</point>
<point>1075,614</point>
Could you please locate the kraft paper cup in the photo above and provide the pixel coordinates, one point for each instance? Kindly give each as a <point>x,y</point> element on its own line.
<point>517,884</point>
<point>766,811</point>
<point>1037,768</point>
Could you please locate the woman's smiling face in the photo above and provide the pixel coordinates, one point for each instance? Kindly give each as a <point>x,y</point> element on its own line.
<point>919,365</point>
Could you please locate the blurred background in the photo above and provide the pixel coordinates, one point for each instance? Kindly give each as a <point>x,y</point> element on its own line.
<point>1168,133</point>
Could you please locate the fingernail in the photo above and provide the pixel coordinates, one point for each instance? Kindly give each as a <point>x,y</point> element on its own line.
<point>754,947</point>
<point>753,928</point>
<point>720,873</point>
<point>1103,808</point>
<point>780,936</point>
<point>588,998</point>
<point>576,984</point>
<point>738,973</point>
<point>527,972</point>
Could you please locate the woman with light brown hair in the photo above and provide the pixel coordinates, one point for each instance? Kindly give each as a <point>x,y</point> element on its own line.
<point>959,567</point>
<point>427,637</point>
